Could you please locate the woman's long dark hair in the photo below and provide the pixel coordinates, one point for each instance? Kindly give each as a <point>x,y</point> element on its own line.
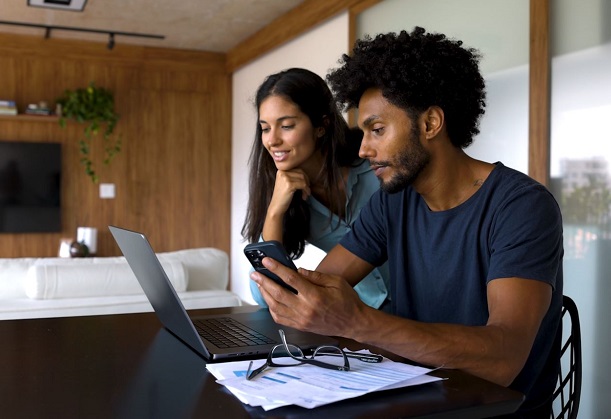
<point>339,147</point>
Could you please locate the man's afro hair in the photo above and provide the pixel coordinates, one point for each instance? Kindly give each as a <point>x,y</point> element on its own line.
<point>415,71</point>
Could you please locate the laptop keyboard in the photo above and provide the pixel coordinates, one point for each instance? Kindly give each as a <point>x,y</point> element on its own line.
<point>225,332</point>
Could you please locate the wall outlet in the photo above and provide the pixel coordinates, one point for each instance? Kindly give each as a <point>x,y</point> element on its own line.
<point>107,190</point>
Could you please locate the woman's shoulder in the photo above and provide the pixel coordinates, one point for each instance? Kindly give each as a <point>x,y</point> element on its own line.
<point>360,166</point>
<point>358,170</point>
<point>362,181</point>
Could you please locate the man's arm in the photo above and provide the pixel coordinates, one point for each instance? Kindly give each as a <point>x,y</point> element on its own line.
<point>496,351</point>
<point>326,304</point>
<point>341,262</point>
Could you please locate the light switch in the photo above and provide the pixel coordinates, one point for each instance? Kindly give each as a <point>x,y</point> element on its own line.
<point>107,190</point>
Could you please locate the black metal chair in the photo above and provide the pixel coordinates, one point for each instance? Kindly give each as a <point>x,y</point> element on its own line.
<point>568,388</point>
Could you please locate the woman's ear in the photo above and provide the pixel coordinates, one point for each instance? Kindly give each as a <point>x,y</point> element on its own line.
<point>434,120</point>
<point>325,121</point>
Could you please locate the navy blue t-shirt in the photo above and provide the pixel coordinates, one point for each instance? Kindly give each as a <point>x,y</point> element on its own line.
<point>441,261</point>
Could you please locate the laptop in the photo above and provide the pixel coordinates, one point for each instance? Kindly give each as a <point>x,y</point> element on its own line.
<point>222,337</point>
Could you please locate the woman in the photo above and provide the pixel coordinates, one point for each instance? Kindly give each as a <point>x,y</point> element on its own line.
<point>307,183</point>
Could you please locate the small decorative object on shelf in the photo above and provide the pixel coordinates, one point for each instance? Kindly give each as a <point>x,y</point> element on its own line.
<point>40,108</point>
<point>8,107</point>
<point>94,106</point>
<point>78,250</point>
<point>89,237</point>
<point>64,247</point>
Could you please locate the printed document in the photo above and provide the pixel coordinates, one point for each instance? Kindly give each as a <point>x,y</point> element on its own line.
<point>310,386</point>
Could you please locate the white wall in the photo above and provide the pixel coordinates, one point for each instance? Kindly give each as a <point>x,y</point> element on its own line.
<point>318,50</point>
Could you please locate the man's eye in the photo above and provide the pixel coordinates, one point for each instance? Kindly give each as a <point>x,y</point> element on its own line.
<point>377,131</point>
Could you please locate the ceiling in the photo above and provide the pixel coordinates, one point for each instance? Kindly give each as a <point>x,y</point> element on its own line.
<point>204,25</point>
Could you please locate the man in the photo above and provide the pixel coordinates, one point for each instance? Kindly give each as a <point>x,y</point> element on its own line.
<point>474,249</point>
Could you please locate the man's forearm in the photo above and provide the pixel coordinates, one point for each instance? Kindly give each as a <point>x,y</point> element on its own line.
<point>483,351</point>
<point>341,262</point>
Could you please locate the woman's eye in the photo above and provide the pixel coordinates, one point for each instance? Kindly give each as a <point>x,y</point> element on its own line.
<point>287,127</point>
<point>264,129</point>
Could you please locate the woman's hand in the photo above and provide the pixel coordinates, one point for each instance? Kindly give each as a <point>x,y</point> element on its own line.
<point>287,183</point>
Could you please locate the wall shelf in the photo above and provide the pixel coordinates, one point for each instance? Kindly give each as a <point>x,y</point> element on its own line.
<point>30,118</point>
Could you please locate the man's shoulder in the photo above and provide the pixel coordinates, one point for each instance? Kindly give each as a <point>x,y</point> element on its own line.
<point>507,179</point>
<point>511,189</point>
<point>506,172</point>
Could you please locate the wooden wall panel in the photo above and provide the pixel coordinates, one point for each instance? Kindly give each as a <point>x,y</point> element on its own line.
<point>173,175</point>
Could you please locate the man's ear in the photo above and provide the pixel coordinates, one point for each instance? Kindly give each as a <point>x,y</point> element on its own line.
<point>433,122</point>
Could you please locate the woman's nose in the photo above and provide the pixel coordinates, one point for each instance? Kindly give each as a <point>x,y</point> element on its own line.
<point>273,139</point>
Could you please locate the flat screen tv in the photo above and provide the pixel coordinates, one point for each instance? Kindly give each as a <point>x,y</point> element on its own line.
<point>30,178</point>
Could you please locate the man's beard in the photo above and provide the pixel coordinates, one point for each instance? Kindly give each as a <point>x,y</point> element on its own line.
<point>408,164</point>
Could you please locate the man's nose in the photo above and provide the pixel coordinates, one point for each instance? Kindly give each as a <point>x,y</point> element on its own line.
<point>365,151</point>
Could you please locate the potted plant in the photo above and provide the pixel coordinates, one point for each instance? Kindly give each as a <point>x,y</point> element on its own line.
<point>94,106</point>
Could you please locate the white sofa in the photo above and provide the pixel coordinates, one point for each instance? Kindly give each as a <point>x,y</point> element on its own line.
<point>61,287</point>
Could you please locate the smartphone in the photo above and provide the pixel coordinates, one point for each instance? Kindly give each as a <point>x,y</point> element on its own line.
<point>255,252</point>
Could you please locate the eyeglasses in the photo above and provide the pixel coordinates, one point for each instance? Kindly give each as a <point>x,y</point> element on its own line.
<point>288,355</point>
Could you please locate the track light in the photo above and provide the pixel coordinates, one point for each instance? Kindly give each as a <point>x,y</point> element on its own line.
<point>111,35</point>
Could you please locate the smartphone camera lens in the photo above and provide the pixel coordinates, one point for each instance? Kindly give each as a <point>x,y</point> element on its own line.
<point>256,256</point>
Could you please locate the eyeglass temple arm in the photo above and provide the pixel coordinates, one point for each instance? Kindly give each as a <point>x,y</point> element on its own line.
<point>345,367</point>
<point>374,358</point>
<point>250,374</point>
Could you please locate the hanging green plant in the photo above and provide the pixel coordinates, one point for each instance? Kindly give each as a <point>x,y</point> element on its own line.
<point>94,106</point>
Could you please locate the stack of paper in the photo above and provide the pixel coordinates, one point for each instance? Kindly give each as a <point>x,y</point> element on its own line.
<point>311,386</point>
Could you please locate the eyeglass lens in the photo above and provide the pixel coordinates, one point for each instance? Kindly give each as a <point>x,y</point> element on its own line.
<point>281,357</point>
<point>342,365</point>
<point>287,355</point>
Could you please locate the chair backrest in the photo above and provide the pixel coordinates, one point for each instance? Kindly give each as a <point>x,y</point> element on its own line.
<point>568,388</point>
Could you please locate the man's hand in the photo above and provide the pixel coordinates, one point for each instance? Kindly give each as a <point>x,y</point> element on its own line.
<point>325,304</point>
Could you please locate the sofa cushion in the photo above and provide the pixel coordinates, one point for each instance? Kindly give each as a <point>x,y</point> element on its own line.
<point>11,273</point>
<point>207,267</point>
<point>55,278</point>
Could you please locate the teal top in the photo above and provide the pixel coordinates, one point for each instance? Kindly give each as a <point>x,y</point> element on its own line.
<point>361,184</point>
